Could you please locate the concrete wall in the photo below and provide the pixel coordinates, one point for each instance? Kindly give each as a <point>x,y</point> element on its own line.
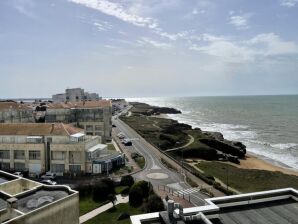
<point>63,211</point>
<point>26,148</point>
<point>18,186</point>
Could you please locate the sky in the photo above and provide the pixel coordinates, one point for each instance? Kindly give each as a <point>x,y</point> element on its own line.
<point>148,48</point>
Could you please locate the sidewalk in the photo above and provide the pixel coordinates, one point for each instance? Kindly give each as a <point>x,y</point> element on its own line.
<point>95,212</point>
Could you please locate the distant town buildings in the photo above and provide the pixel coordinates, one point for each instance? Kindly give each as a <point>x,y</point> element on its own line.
<point>75,95</point>
<point>13,112</point>
<point>24,201</point>
<point>57,147</point>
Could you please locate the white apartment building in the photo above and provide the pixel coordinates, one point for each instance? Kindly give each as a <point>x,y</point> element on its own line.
<point>40,147</point>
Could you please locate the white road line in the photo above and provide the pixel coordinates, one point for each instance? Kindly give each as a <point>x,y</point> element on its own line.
<point>188,191</point>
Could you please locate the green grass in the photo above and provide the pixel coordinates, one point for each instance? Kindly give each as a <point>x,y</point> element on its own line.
<point>140,161</point>
<point>119,189</point>
<point>87,204</point>
<point>111,147</point>
<point>111,215</point>
<point>248,180</point>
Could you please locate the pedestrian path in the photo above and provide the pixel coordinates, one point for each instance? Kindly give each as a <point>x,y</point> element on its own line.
<point>187,191</point>
<point>95,212</point>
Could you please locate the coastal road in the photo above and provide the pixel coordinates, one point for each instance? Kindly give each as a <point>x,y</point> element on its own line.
<point>154,171</point>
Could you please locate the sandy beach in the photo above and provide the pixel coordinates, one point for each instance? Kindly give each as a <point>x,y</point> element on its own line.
<point>253,162</point>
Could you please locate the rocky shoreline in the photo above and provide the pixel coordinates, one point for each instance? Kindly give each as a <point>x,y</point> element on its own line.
<point>207,145</point>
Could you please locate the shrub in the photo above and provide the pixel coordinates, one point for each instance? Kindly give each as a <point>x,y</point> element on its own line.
<point>154,204</point>
<point>102,189</point>
<point>127,181</point>
<point>135,196</point>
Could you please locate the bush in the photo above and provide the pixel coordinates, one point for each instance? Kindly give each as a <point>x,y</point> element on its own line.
<point>154,204</point>
<point>102,189</point>
<point>84,190</point>
<point>135,196</point>
<point>125,191</point>
<point>127,181</point>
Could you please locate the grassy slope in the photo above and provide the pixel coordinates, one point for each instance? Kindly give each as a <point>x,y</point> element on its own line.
<point>150,128</point>
<point>87,204</point>
<point>248,180</point>
<point>111,215</point>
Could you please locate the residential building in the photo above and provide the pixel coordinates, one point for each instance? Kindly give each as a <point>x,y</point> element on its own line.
<point>274,207</point>
<point>74,95</point>
<point>24,201</point>
<point>95,117</point>
<point>13,112</point>
<point>57,147</point>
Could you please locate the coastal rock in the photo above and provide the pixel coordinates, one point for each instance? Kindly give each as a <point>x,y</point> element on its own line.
<point>226,147</point>
<point>148,110</point>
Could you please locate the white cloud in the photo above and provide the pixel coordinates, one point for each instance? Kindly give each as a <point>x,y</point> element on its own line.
<point>273,44</point>
<point>116,10</point>
<point>261,46</point>
<point>154,43</point>
<point>102,25</point>
<point>240,22</point>
<point>289,3</point>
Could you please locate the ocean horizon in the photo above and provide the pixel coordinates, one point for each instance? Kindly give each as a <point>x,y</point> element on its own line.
<point>266,124</point>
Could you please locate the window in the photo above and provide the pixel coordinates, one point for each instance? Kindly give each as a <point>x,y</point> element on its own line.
<point>89,128</point>
<point>19,154</point>
<point>34,155</point>
<point>57,168</point>
<point>98,128</point>
<point>74,168</point>
<point>4,166</point>
<point>4,154</point>
<point>58,155</point>
<point>19,166</point>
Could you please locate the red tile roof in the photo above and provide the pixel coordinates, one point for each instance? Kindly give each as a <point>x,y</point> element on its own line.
<point>38,129</point>
<point>81,104</point>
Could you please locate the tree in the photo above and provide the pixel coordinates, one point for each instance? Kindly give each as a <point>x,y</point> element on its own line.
<point>154,204</point>
<point>102,189</point>
<point>127,181</point>
<point>112,198</point>
<point>135,196</point>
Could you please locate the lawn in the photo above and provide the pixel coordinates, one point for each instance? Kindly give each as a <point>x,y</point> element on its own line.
<point>248,180</point>
<point>112,215</point>
<point>111,147</point>
<point>87,204</point>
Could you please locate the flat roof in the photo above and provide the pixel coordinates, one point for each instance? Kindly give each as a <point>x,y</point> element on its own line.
<point>275,212</point>
<point>39,199</point>
<point>98,146</point>
<point>77,135</point>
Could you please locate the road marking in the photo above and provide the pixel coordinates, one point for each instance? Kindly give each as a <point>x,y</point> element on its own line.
<point>187,191</point>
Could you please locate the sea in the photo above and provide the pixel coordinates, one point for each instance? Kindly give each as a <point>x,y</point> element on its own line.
<point>267,125</point>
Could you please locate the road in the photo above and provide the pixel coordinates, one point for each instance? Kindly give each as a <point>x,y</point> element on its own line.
<point>154,171</point>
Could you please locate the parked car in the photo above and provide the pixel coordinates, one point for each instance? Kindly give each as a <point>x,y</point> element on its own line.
<point>121,135</point>
<point>48,176</point>
<point>18,174</point>
<point>114,126</point>
<point>127,142</point>
<point>48,182</point>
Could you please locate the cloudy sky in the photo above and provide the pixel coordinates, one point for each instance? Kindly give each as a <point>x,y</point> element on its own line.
<point>135,48</point>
